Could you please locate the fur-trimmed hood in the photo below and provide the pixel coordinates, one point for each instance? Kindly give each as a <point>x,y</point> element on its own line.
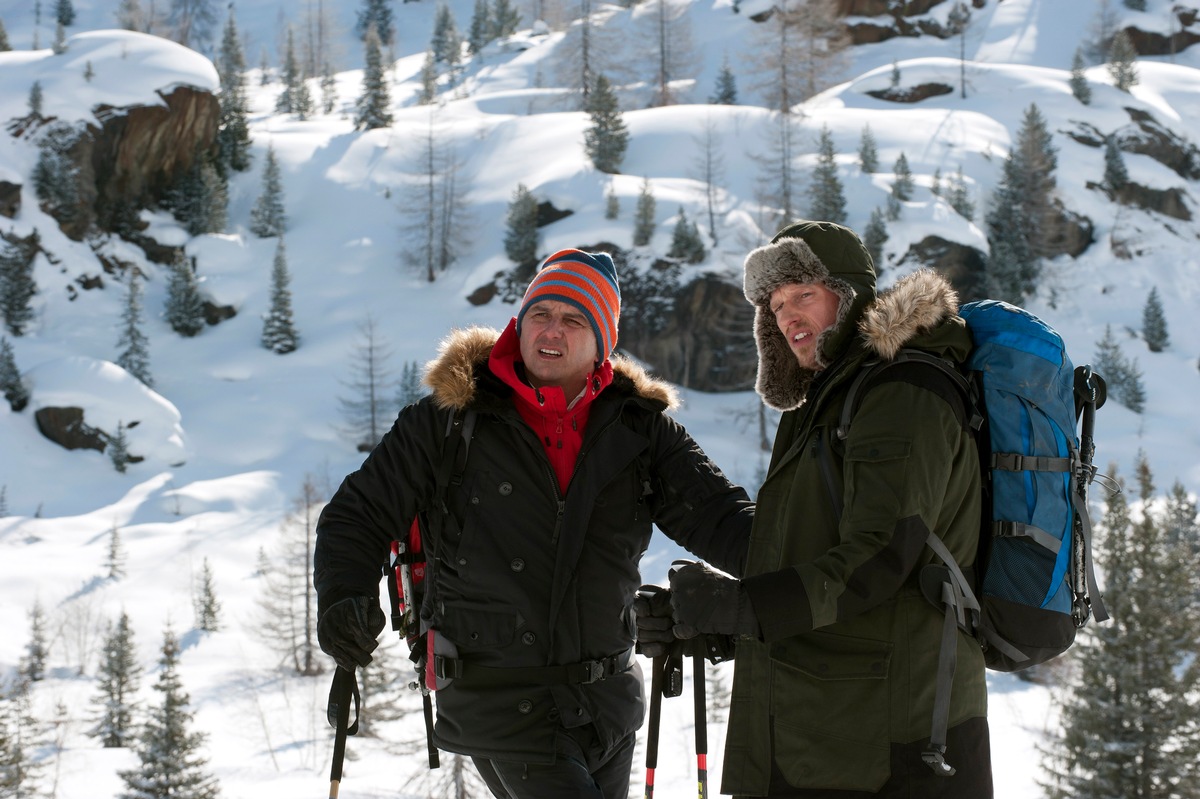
<point>917,304</point>
<point>451,376</point>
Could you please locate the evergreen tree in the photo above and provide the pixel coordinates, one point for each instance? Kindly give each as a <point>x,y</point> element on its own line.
<point>207,606</point>
<point>20,768</point>
<point>958,196</point>
<point>446,42</point>
<point>902,186</point>
<point>233,132</point>
<point>726,89</point>
<point>33,663</point>
<point>1121,374</point>
<point>56,174</point>
<point>643,217</point>
<point>1115,173</point>
<point>521,238</point>
<point>607,139</point>
<point>171,761</point>
<point>11,384</point>
<point>267,217</point>
<point>279,332</point>
<point>134,354</point>
<point>200,197</point>
<point>935,185</point>
<point>868,155</point>
<point>118,683</point>
<point>1079,82</point>
<point>328,89</point>
<point>1182,528</point>
<point>4,45</point>
<point>410,389</point>
<point>612,203</point>
<point>185,308</point>
<point>114,564</point>
<point>875,236</point>
<point>118,449</point>
<point>686,243</point>
<point>366,411</point>
<point>428,79</point>
<point>374,103</point>
<point>480,32</point>
<point>1129,715</point>
<point>60,39</point>
<point>828,197</point>
<point>295,98</point>
<point>1154,323</point>
<point>377,14</point>
<point>35,99</point>
<point>505,19</point>
<point>1121,62</point>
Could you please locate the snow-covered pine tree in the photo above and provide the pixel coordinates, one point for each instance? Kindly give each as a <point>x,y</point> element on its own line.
<point>4,45</point>
<point>11,384</point>
<point>725,92</point>
<point>1154,323</point>
<point>480,32</point>
<point>118,449</point>
<point>446,42</point>
<point>184,310</point>
<point>200,197</point>
<point>1129,714</point>
<point>875,236</point>
<point>1080,87</point>
<point>505,19</point>
<point>328,89</point>
<point>172,763</point>
<point>56,174</point>
<point>606,140</point>
<point>1115,173</point>
<point>206,605</point>
<point>377,13</point>
<point>35,99</point>
<point>643,217</point>
<point>37,651</point>
<point>288,101</point>
<point>267,217</point>
<point>868,154</point>
<point>114,562</point>
<point>958,195</point>
<point>279,331</point>
<point>133,347</point>
<point>1122,56</point>
<point>428,79</point>
<point>373,105</point>
<point>521,237</point>
<point>612,203</point>
<point>21,769</point>
<point>410,388</point>
<point>686,243</point>
<point>233,131</point>
<point>828,197</point>
<point>117,680</point>
<point>1121,374</point>
<point>902,186</point>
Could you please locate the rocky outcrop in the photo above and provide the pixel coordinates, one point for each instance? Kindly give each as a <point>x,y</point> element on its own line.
<point>961,264</point>
<point>65,427</point>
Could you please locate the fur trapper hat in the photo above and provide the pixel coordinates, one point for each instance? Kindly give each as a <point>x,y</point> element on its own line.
<point>805,252</point>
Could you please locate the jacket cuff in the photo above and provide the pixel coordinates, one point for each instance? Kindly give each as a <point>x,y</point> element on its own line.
<point>780,603</point>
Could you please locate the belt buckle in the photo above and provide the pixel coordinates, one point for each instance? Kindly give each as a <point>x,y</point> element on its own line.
<point>445,668</point>
<point>595,671</point>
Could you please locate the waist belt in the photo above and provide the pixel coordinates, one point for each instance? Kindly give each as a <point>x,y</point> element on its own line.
<point>585,673</point>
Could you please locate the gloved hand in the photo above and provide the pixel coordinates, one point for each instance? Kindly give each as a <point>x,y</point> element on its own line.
<point>652,606</point>
<point>705,601</point>
<point>348,629</point>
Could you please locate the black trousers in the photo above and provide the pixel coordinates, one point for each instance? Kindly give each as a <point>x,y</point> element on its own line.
<point>581,770</point>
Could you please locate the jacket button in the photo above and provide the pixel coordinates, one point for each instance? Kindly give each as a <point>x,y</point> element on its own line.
<point>474,500</point>
<point>525,706</point>
<point>462,561</point>
<point>505,489</point>
<point>517,565</point>
<point>529,638</point>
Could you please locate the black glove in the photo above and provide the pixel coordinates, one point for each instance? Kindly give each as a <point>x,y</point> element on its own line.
<point>652,606</point>
<point>348,629</point>
<point>704,601</point>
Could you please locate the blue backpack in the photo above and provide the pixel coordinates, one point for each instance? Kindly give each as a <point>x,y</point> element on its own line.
<point>1034,582</point>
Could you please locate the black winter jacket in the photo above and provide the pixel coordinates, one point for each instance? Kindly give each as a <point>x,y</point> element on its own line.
<point>520,576</point>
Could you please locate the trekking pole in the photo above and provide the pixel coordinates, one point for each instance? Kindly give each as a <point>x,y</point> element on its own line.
<point>343,690</point>
<point>701,712</point>
<point>656,676</point>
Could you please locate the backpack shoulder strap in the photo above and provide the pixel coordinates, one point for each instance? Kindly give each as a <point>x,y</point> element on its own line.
<point>910,365</point>
<point>460,427</point>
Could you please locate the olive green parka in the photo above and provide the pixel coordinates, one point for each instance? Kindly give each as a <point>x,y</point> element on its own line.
<point>845,673</point>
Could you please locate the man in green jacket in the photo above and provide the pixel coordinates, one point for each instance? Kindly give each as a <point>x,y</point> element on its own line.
<point>837,652</point>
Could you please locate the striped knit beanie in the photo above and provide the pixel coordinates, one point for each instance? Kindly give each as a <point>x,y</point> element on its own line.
<point>585,280</point>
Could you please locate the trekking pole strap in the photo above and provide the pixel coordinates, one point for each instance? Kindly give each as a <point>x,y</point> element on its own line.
<point>583,673</point>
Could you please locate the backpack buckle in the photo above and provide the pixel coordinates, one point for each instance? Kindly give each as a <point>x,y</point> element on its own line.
<point>935,758</point>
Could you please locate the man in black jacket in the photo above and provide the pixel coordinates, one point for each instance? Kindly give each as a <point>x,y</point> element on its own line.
<point>533,555</point>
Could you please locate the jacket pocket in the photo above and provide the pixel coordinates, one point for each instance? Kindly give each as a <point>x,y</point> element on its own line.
<point>830,709</point>
<point>476,628</point>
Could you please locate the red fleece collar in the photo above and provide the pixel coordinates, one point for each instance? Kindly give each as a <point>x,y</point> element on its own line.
<point>506,354</point>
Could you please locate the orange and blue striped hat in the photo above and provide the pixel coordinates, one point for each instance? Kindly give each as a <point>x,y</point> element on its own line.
<point>585,280</point>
